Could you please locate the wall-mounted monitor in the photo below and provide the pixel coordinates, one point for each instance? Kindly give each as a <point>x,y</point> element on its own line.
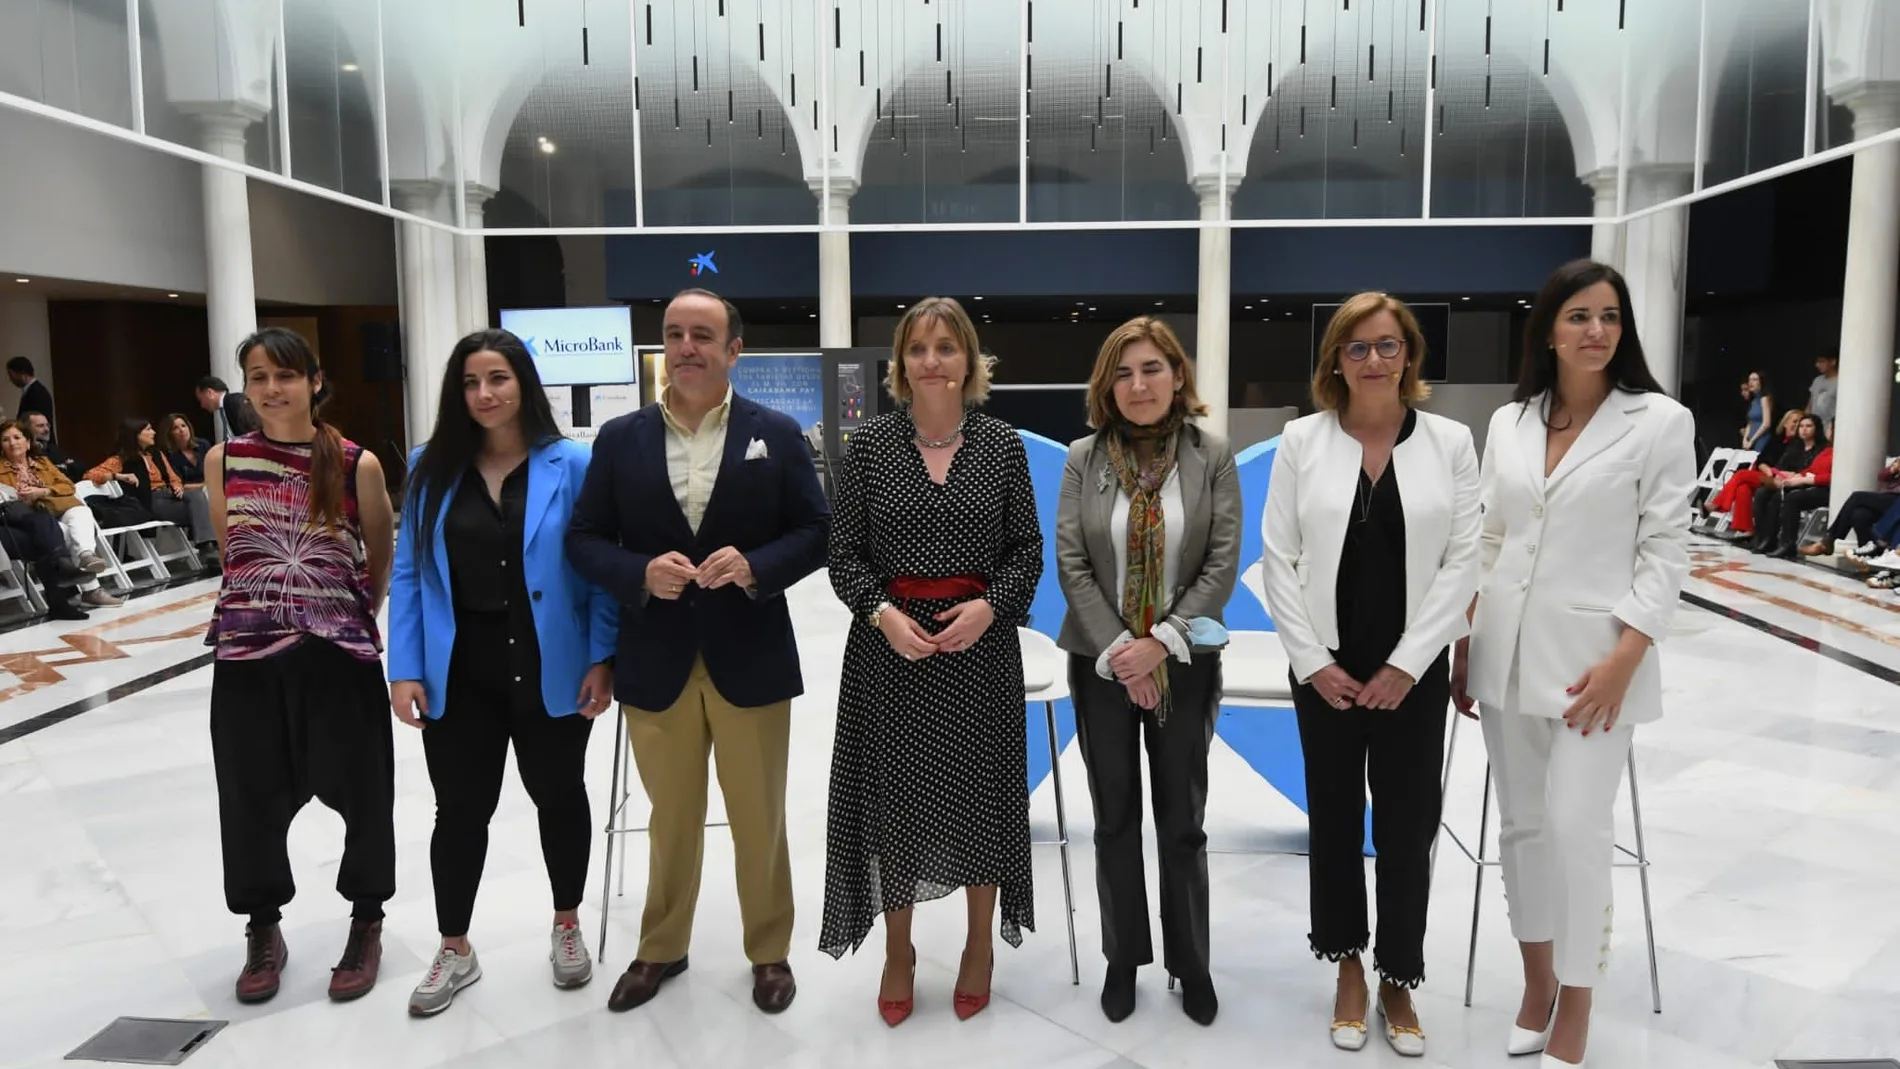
<point>576,346</point>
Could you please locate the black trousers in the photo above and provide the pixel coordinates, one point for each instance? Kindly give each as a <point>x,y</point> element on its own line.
<point>1862,510</point>
<point>37,539</point>
<point>1399,753</point>
<point>467,752</point>
<point>1112,731</point>
<point>312,721</point>
<point>1778,514</point>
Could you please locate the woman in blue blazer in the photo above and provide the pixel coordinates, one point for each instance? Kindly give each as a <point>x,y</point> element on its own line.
<point>493,638</point>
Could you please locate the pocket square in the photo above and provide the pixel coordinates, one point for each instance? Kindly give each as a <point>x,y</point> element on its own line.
<point>755,450</point>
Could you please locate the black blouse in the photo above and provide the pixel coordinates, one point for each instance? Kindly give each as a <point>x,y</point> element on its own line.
<point>486,579</point>
<point>1371,585</point>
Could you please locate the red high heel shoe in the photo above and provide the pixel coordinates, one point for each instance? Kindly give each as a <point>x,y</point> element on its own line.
<point>896,1011</point>
<point>968,1006</point>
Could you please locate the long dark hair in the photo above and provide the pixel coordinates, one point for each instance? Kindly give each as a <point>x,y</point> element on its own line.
<point>1627,370</point>
<point>131,454</point>
<point>458,438</point>
<point>288,349</point>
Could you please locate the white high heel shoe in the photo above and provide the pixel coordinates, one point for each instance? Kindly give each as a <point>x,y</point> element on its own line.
<point>1552,1062</point>
<point>1351,1035</point>
<point>1406,1040</point>
<point>1524,1041</point>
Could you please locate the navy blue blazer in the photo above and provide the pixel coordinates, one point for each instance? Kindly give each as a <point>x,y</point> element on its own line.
<point>574,621</point>
<point>771,509</point>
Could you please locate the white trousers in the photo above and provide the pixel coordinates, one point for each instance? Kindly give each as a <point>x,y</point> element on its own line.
<point>1557,833</point>
<point>81,529</point>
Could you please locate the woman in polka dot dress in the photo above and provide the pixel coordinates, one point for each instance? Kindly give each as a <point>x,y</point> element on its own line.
<point>936,550</point>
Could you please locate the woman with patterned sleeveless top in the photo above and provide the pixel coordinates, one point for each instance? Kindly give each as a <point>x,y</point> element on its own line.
<point>298,707</point>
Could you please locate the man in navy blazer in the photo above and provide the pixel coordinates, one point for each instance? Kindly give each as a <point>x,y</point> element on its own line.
<point>697,514</point>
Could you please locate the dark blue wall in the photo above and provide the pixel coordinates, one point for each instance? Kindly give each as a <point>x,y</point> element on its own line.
<point>1406,260</point>
<point>1321,260</point>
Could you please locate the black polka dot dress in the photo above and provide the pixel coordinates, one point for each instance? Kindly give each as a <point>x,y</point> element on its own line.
<point>929,776</point>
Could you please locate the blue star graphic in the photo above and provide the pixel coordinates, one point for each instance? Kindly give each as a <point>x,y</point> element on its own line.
<point>703,263</point>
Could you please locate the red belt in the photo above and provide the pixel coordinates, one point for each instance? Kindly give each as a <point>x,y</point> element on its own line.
<point>907,588</point>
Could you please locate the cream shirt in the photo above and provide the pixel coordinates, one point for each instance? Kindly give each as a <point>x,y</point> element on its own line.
<point>693,457</point>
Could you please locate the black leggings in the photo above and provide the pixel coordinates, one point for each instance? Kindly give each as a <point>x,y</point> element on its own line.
<point>1399,753</point>
<point>467,751</point>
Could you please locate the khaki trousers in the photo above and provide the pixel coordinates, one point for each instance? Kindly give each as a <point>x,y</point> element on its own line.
<point>749,746</point>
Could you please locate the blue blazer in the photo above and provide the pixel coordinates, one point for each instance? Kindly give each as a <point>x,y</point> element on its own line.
<point>575,622</point>
<point>770,508</point>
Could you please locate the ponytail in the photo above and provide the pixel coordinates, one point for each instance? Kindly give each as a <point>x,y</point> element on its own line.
<point>327,476</point>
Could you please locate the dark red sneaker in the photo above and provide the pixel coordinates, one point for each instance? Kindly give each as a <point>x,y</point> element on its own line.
<point>355,975</point>
<point>264,958</point>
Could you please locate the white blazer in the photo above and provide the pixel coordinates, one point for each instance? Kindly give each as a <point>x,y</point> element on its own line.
<point>1309,505</point>
<point>1569,561</point>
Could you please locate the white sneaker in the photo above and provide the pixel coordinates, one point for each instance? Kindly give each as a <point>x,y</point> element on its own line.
<point>1888,561</point>
<point>449,973</point>
<point>1865,551</point>
<point>572,966</point>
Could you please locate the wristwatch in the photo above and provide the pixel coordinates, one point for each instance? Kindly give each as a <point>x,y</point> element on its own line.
<point>877,613</point>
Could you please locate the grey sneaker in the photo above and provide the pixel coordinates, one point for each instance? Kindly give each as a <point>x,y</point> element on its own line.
<point>449,973</point>
<point>572,966</point>
<point>91,562</point>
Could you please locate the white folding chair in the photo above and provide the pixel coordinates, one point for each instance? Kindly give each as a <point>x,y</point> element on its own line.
<point>138,553</point>
<point>1046,680</point>
<point>620,788</point>
<point>16,585</point>
<point>1638,860</point>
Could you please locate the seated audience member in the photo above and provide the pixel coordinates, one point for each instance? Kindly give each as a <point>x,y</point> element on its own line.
<point>1796,452</point>
<point>185,450</point>
<point>41,432</point>
<point>149,479</point>
<point>32,536</point>
<point>44,489</point>
<point>1786,495</point>
<point>1861,512</point>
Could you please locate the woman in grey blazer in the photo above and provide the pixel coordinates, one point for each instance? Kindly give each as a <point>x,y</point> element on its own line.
<point>1147,541</point>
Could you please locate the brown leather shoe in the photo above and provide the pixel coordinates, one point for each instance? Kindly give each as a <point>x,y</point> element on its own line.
<point>355,974</point>
<point>773,987</point>
<point>641,981</point>
<point>264,958</point>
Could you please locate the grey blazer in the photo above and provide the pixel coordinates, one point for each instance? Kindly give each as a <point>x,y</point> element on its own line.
<point>1085,547</point>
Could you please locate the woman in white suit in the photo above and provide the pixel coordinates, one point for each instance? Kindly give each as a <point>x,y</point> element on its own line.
<point>1587,476</point>
<point>1372,559</point>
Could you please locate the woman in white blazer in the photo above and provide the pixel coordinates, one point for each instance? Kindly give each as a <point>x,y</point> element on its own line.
<point>1371,561</point>
<point>1587,476</point>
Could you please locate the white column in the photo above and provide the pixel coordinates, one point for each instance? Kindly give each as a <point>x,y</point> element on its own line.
<point>1216,299</point>
<point>834,264</point>
<point>1867,301</point>
<point>428,292</point>
<point>1656,265</point>
<point>471,264</point>
<point>1606,237</point>
<point>230,285</point>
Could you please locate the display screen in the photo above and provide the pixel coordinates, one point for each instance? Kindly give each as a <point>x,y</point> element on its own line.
<point>576,346</point>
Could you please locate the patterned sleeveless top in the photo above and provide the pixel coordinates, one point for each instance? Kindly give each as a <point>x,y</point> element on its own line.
<point>287,577</point>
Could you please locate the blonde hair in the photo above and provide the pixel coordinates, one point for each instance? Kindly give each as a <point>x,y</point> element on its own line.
<point>1329,388</point>
<point>1102,410</point>
<point>944,310</point>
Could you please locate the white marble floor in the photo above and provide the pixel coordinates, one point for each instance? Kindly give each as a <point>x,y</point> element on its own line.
<point>1771,792</point>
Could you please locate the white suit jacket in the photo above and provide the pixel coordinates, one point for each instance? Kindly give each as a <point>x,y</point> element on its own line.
<point>1309,504</point>
<point>1569,561</point>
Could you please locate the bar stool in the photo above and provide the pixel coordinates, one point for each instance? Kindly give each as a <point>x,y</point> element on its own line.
<point>619,790</point>
<point>1638,860</point>
<point>1046,680</point>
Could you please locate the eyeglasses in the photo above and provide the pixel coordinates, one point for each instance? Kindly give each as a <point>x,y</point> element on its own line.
<point>1387,348</point>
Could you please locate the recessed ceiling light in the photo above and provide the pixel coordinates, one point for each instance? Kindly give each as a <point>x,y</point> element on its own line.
<point>1159,303</point>
<point>23,281</point>
<point>1081,304</point>
<point>171,295</point>
<point>811,315</point>
<point>547,146</point>
<point>1091,308</point>
<point>900,307</point>
<point>1250,308</point>
<point>1464,298</point>
<point>976,298</point>
<point>350,68</point>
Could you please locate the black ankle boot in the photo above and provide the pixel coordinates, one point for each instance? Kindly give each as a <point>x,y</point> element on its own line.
<point>1198,1000</point>
<point>1118,993</point>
